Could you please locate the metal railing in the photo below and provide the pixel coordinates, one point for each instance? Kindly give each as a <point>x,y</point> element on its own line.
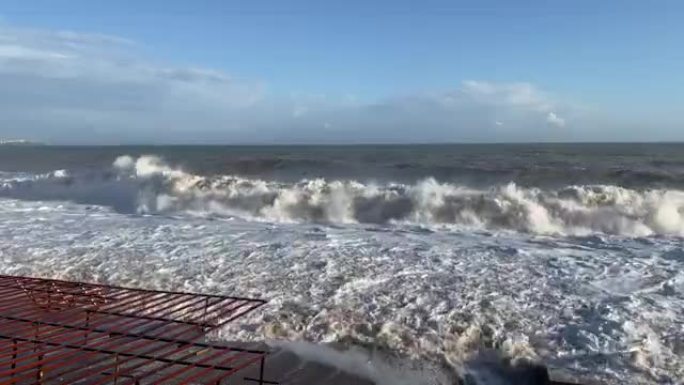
<point>60,332</point>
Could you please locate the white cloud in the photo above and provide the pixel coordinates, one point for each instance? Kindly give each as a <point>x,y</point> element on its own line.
<point>81,87</point>
<point>71,87</point>
<point>555,120</point>
<point>17,52</point>
<point>520,95</point>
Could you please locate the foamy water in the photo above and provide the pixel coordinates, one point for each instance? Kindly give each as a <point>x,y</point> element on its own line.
<point>587,279</point>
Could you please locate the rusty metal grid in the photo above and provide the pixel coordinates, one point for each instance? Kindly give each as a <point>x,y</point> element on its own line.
<point>60,332</point>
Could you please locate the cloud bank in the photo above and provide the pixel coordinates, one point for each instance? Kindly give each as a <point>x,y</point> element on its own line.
<point>555,120</point>
<point>66,87</point>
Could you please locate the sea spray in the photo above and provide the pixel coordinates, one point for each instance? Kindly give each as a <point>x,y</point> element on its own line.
<point>148,185</point>
<point>573,210</point>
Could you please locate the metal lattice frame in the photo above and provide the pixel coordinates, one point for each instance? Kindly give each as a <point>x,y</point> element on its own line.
<point>59,332</point>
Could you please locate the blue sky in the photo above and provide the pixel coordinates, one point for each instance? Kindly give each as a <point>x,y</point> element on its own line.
<point>354,71</point>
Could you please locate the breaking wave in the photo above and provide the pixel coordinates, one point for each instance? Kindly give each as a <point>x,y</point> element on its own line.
<point>148,185</point>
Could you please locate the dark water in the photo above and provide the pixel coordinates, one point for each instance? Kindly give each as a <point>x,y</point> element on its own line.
<point>542,165</point>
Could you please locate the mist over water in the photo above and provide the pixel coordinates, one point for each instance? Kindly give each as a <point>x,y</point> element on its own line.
<point>568,255</point>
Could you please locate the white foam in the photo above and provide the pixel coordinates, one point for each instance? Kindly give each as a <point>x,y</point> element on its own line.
<point>154,187</point>
<point>60,174</point>
<point>124,163</point>
<point>574,210</point>
<point>440,297</point>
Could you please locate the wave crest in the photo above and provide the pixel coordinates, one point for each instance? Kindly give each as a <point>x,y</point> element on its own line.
<point>571,210</point>
<point>149,185</point>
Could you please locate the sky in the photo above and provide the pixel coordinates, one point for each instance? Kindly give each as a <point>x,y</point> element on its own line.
<point>277,72</point>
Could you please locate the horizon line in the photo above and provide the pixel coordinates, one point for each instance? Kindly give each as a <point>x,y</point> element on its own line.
<point>323,144</point>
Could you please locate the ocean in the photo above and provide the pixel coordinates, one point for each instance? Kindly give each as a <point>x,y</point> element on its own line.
<point>423,260</point>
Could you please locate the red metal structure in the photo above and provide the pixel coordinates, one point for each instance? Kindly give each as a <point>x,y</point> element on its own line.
<point>59,332</point>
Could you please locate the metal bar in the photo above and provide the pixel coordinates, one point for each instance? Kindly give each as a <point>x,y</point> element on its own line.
<point>28,310</point>
<point>131,322</point>
<point>126,354</point>
<point>53,334</point>
<point>75,317</point>
<point>261,370</point>
<point>110,341</point>
<point>148,317</point>
<point>200,364</point>
<point>39,289</point>
<point>160,369</point>
<point>158,348</point>
<point>220,376</point>
<point>29,306</point>
<point>127,324</point>
<point>157,302</point>
<point>143,336</point>
<point>59,329</point>
<point>14,355</point>
<point>139,290</point>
